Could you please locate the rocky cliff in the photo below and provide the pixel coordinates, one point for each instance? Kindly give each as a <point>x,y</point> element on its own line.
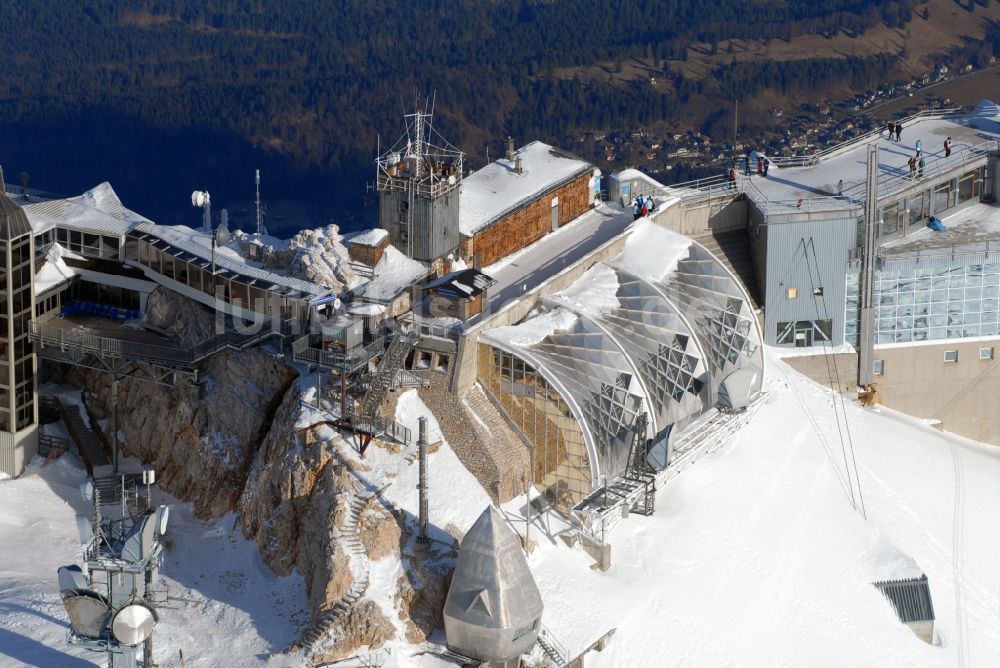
<point>232,443</point>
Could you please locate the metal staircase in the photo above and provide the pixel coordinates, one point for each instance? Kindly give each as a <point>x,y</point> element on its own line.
<point>555,653</point>
<point>385,375</point>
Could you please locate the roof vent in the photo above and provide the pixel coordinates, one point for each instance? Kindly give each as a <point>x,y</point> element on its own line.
<point>510,148</point>
<point>519,165</point>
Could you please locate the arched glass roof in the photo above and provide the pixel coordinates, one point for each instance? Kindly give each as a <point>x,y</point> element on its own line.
<point>655,331</point>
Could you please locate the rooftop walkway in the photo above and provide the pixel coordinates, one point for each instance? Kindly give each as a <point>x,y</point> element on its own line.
<point>554,252</point>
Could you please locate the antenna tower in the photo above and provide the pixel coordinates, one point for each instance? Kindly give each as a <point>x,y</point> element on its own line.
<point>260,217</point>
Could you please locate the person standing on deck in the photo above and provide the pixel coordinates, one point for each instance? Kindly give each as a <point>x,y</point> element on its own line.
<point>746,164</point>
<point>892,129</point>
<point>912,162</point>
<point>760,166</point>
<point>899,130</point>
<point>732,177</point>
<point>920,168</point>
<point>840,188</point>
<point>947,147</point>
<point>767,163</point>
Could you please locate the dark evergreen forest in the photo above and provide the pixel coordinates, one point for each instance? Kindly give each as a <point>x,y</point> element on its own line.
<point>167,96</point>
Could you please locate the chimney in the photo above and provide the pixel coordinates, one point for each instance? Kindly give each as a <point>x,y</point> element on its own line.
<point>510,148</point>
<point>519,165</point>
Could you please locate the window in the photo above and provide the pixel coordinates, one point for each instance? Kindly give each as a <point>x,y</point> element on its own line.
<point>986,353</point>
<point>950,356</point>
<point>793,293</point>
<point>879,367</point>
<point>818,291</point>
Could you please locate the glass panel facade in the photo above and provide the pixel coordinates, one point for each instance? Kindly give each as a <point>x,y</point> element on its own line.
<point>561,465</point>
<point>929,304</point>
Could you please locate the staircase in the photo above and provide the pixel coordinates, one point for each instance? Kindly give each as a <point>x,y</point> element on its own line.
<point>555,653</point>
<point>733,250</point>
<point>385,375</point>
<point>91,450</point>
<point>350,539</point>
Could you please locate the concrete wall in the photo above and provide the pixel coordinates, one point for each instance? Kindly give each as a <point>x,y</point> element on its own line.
<point>722,214</point>
<point>962,395</point>
<point>838,371</point>
<point>466,363</point>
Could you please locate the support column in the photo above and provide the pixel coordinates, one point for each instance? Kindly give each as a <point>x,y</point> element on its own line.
<point>422,537</point>
<point>866,287</point>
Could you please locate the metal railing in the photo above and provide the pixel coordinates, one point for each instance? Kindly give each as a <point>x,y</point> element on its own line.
<point>815,158</point>
<point>808,204</point>
<point>93,344</point>
<point>949,251</point>
<point>306,349</point>
<point>961,157</point>
<point>424,329</point>
<point>378,426</point>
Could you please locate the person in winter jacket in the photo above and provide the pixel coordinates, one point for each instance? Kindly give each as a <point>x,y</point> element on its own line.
<point>947,147</point>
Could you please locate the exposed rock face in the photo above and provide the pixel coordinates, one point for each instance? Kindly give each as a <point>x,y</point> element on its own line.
<point>201,446</point>
<point>233,444</point>
<point>176,315</point>
<point>365,624</point>
<point>318,256</point>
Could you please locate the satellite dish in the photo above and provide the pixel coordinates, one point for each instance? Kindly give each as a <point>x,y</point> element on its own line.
<point>133,624</point>
<point>140,539</point>
<point>88,612</point>
<point>84,528</point>
<point>337,304</point>
<point>451,180</point>
<point>72,577</point>
<point>87,490</point>
<point>162,515</point>
<point>200,198</point>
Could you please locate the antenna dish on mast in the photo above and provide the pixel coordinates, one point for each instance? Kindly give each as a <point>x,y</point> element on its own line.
<point>200,199</point>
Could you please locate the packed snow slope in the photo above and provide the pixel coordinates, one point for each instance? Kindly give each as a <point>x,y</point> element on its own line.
<point>225,606</point>
<point>755,557</point>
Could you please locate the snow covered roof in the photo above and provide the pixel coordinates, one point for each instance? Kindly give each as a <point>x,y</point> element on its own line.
<point>97,211</point>
<point>54,271</point>
<point>969,229</point>
<point>372,237</point>
<point>181,240</point>
<point>394,273</point>
<point>497,189</point>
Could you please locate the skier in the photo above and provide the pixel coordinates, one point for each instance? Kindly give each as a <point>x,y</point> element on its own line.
<point>767,163</point>
<point>732,177</point>
<point>760,166</point>
<point>947,147</point>
<point>920,168</point>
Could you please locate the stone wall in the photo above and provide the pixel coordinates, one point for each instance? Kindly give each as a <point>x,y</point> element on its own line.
<point>489,449</point>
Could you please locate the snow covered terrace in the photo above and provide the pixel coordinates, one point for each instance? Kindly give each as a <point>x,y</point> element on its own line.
<point>810,183</point>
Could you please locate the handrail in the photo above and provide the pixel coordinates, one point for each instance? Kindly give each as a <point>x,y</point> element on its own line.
<point>120,347</point>
<point>815,158</point>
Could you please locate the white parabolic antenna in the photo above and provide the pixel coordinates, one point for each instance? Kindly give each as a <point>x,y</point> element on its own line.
<point>199,198</point>
<point>133,624</point>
